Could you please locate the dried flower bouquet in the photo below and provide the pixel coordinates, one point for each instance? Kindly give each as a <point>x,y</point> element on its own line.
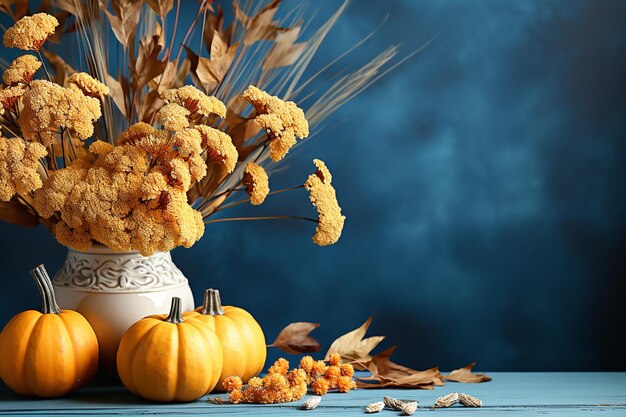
<point>140,160</point>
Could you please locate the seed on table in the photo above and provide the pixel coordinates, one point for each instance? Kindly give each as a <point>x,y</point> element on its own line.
<point>469,401</point>
<point>447,400</point>
<point>375,407</point>
<point>393,403</point>
<point>311,403</point>
<point>409,407</point>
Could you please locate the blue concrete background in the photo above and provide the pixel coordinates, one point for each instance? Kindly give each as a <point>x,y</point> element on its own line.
<point>481,184</point>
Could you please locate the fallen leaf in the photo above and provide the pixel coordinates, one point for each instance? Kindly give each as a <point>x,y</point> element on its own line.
<point>295,338</point>
<point>386,373</point>
<point>465,375</point>
<point>353,348</point>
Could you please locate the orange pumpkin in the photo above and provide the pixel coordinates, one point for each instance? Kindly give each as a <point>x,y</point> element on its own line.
<point>48,353</point>
<point>241,336</point>
<point>164,358</point>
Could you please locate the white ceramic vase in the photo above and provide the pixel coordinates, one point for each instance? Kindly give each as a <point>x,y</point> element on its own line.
<point>113,290</point>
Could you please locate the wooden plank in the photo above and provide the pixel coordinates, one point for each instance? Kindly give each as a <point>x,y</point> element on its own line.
<point>557,394</point>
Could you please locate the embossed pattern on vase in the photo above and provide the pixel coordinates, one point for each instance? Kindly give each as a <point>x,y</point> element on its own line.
<point>118,272</point>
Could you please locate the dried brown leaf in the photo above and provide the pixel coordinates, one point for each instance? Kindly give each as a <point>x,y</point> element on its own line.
<point>214,22</point>
<point>261,26</point>
<point>295,338</point>
<point>124,19</point>
<point>116,92</point>
<point>386,373</point>
<point>465,375</point>
<point>353,348</point>
<point>148,65</point>
<point>19,10</point>
<point>161,7</point>
<point>211,72</point>
<point>67,5</point>
<point>285,50</point>
<point>15,213</point>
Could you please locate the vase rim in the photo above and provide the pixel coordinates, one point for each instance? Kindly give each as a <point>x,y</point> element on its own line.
<point>100,249</point>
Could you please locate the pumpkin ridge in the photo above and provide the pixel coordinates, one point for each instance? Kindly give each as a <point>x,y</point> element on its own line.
<point>73,348</point>
<point>229,333</point>
<point>186,335</point>
<point>133,343</point>
<point>165,393</point>
<point>24,324</point>
<point>40,336</point>
<point>180,357</point>
<point>248,337</point>
<point>80,345</point>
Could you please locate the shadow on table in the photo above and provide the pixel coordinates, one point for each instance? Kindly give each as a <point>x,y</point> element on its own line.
<point>93,395</point>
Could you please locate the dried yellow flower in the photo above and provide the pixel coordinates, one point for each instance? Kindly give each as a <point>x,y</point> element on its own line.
<point>283,120</point>
<point>324,198</point>
<point>173,117</point>
<point>279,386</point>
<point>100,147</point>
<point>49,107</point>
<point>171,223</point>
<point>194,100</point>
<point>79,238</point>
<point>257,183</point>
<point>137,132</point>
<point>18,167</point>
<point>88,85</point>
<point>30,32</point>
<point>9,96</point>
<point>122,201</point>
<point>21,70</point>
<point>180,174</point>
<point>51,197</point>
<point>188,145</point>
<point>188,142</point>
<point>220,148</point>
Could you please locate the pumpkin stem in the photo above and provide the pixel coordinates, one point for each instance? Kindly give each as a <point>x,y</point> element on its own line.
<point>212,303</point>
<point>175,315</point>
<point>44,285</point>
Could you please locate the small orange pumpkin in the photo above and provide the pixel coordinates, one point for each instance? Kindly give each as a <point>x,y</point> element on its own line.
<point>241,336</point>
<point>164,358</point>
<point>48,353</point>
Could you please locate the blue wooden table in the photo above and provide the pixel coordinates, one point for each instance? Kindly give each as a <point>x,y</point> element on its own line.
<point>509,394</point>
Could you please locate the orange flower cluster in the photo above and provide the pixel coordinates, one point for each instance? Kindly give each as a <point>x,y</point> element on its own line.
<point>133,197</point>
<point>323,196</point>
<point>283,120</point>
<point>194,100</point>
<point>30,32</point>
<point>281,385</point>
<point>322,377</point>
<point>21,70</point>
<point>19,161</point>
<point>257,183</point>
<point>88,85</point>
<point>48,107</point>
